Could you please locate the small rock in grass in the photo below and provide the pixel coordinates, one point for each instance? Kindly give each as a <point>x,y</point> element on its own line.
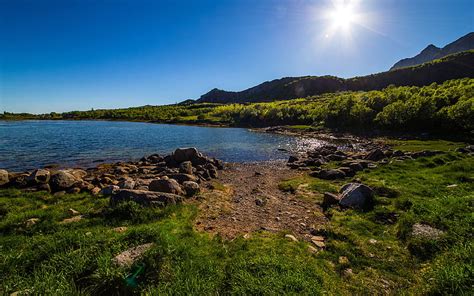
<point>32,221</point>
<point>312,249</point>
<point>71,220</point>
<point>452,186</point>
<point>120,229</point>
<point>95,191</point>
<point>73,212</point>
<point>426,231</point>
<point>372,241</point>
<point>319,244</point>
<point>128,257</point>
<point>348,272</point>
<point>291,237</point>
<point>343,260</point>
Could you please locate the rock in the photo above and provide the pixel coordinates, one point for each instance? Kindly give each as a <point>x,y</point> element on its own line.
<point>73,212</point>
<point>72,219</point>
<point>32,221</point>
<point>355,166</point>
<point>329,174</point>
<point>62,180</point>
<point>168,186</point>
<point>348,272</point>
<point>312,250</point>
<point>19,179</point>
<point>292,159</point>
<point>181,178</point>
<point>343,260</point>
<point>186,167</point>
<point>329,199</point>
<point>145,198</point>
<point>95,191</point>
<point>318,243</point>
<point>375,155</point>
<point>371,166</point>
<point>372,241</point>
<point>355,195</point>
<point>110,190</point>
<point>191,188</point>
<point>348,171</point>
<point>425,153</point>
<point>185,154</point>
<point>211,169</point>
<point>260,202</point>
<point>44,187</point>
<point>291,237</point>
<point>128,257</point>
<point>336,157</point>
<point>425,231</point>
<point>78,173</point>
<point>73,190</point>
<point>127,184</point>
<point>39,177</point>
<point>4,179</point>
<point>120,229</point>
<point>398,153</point>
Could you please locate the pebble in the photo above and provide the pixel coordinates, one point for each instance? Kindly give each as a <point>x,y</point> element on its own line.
<point>291,237</point>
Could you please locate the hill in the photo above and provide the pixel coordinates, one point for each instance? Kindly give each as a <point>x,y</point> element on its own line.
<point>432,52</point>
<point>454,66</point>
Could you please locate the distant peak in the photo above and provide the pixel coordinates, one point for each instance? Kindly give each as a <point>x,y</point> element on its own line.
<point>430,48</point>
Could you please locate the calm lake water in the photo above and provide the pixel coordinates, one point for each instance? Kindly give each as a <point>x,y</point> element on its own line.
<point>28,145</point>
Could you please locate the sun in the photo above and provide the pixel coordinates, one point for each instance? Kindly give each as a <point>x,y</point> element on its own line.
<point>343,16</point>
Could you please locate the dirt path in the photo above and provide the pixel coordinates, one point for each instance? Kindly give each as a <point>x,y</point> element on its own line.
<point>245,198</point>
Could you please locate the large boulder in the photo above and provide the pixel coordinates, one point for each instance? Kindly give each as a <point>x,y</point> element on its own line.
<point>4,177</point>
<point>191,188</point>
<point>145,198</point>
<point>39,177</point>
<point>62,180</point>
<point>168,186</point>
<point>185,154</point>
<point>358,196</point>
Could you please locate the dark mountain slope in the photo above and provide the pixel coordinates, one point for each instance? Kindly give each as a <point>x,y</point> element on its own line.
<point>432,52</point>
<point>451,67</point>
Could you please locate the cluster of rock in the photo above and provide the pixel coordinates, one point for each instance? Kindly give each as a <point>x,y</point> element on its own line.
<point>153,180</point>
<point>350,161</point>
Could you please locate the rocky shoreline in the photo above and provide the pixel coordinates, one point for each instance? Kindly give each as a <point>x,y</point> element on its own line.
<point>172,176</point>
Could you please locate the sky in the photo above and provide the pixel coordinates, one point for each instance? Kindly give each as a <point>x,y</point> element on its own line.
<point>63,55</point>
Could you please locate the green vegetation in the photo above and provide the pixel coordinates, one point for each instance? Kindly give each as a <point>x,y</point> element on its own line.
<point>447,107</point>
<point>408,192</point>
<point>54,258</point>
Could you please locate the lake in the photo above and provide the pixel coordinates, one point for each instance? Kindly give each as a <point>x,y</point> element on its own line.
<point>26,145</point>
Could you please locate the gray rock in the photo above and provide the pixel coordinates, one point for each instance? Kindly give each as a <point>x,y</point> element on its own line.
<point>4,179</point>
<point>185,154</point>
<point>110,190</point>
<point>168,186</point>
<point>425,231</point>
<point>127,184</point>
<point>329,199</point>
<point>329,174</point>
<point>130,256</point>
<point>145,198</point>
<point>358,196</point>
<point>355,166</point>
<point>39,177</point>
<point>375,155</point>
<point>62,180</point>
<point>181,178</point>
<point>191,188</point>
<point>292,159</point>
<point>186,167</point>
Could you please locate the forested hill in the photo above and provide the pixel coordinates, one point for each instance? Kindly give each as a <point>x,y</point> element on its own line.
<point>454,66</point>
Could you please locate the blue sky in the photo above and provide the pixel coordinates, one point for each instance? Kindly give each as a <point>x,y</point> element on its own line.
<point>67,55</point>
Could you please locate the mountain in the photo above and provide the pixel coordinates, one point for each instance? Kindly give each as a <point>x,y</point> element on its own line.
<point>454,66</point>
<point>432,52</point>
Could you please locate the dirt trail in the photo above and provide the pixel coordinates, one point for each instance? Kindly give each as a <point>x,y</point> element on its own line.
<point>250,200</point>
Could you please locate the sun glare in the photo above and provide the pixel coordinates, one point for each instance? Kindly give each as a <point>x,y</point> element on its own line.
<point>342,16</point>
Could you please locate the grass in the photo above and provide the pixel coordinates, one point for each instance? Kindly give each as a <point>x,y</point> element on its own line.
<point>53,258</point>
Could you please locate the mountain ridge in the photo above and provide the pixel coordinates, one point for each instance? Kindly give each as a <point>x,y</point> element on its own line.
<point>453,66</point>
<point>432,52</point>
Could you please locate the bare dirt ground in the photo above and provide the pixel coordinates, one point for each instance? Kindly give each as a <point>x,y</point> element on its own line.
<point>246,198</point>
